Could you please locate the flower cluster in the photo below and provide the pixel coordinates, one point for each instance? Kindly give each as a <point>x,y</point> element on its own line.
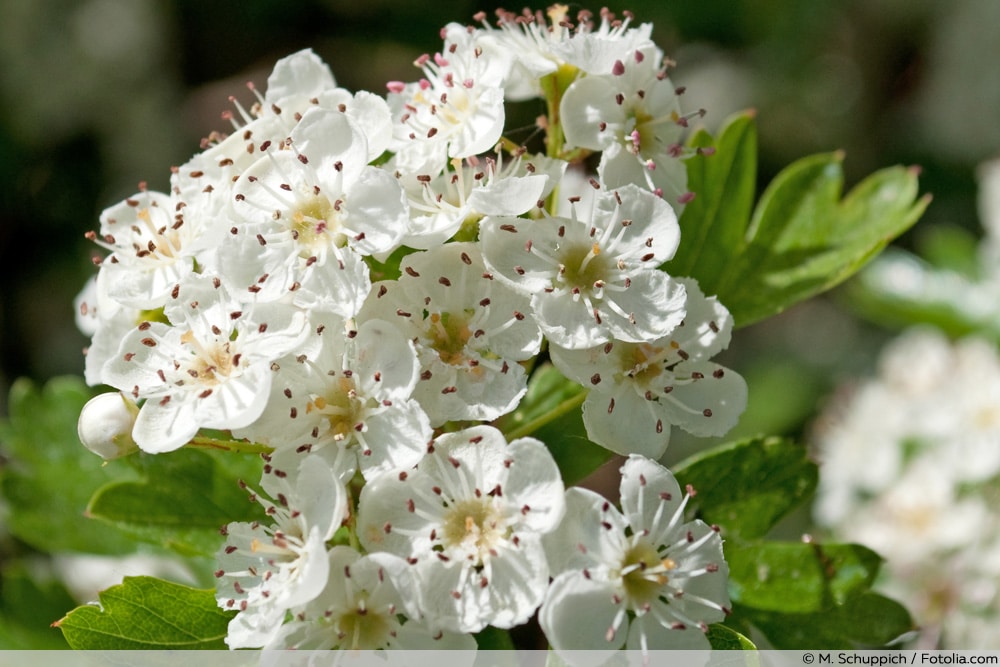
<point>358,285</point>
<point>911,460</point>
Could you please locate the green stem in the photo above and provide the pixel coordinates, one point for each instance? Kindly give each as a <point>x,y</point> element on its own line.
<point>234,446</point>
<point>566,406</point>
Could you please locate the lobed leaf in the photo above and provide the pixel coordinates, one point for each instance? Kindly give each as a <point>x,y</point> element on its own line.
<point>802,238</point>
<point>866,620</point>
<point>182,500</point>
<point>796,577</point>
<point>145,613</point>
<point>747,486</point>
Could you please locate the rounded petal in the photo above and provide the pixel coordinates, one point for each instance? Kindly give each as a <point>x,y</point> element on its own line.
<point>534,482</point>
<point>590,536</point>
<point>301,74</point>
<point>708,402</point>
<point>579,613</point>
<point>625,422</point>
<point>650,495</point>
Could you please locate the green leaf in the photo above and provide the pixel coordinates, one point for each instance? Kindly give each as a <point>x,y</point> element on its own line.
<point>28,606</point>
<point>866,620</point>
<point>494,639</point>
<point>724,183</point>
<point>723,638</point>
<point>183,499</point>
<point>145,613</point>
<point>747,486</point>
<point>50,475</point>
<point>795,577</point>
<point>550,411</point>
<point>802,239</point>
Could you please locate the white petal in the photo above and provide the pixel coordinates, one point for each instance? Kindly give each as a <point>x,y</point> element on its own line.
<point>301,74</point>
<point>385,362</point>
<point>625,422</point>
<point>398,438</point>
<point>586,104</point>
<point>590,536</point>
<point>578,613</point>
<point>534,482</point>
<point>707,327</point>
<point>709,406</point>
<point>646,634</point>
<point>649,493</point>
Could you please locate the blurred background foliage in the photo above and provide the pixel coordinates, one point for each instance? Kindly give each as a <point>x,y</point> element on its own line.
<point>96,95</point>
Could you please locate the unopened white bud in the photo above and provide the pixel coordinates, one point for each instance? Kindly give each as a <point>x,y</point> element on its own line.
<point>105,425</point>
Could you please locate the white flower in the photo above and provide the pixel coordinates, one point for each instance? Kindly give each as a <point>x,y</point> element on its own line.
<point>597,279</point>
<point>642,577</point>
<point>347,390</point>
<point>631,113</point>
<point>361,608</point>
<point>442,205</point>
<point>306,212</point>
<point>638,390</point>
<point>266,570</point>
<point>153,244</point>
<point>470,332</point>
<point>210,368</point>
<point>455,111</point>
<point>472,515</point>
<point>540,50</point>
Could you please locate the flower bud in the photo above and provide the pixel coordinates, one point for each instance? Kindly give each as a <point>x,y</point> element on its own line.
<point>105,425</point>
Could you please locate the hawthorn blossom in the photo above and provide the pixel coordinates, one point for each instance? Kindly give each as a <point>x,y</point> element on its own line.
<point>308,211</point>
<point>639,390</point>
<point>471,516</point>
<point>470,332</point>
<point>153,246</point>
<point>455,111</point>
<point>361,608</point>
<point>642,577</point>
<point>265,570</point>
<point>346,395</point>
<point>631,113</point>
<point>561,49</point>
<point>210,367</point>
<point>595,278</point>
<point>442,205</point>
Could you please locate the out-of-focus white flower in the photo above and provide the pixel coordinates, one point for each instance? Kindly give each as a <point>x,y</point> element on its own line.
<point>642,577</point>
<point>909,464</point>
